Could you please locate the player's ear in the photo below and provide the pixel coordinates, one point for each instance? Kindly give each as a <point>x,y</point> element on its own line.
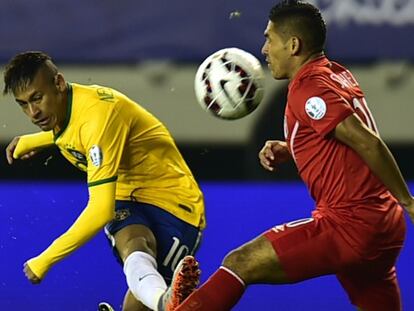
<point>295,45</point>
<point>60,82</point>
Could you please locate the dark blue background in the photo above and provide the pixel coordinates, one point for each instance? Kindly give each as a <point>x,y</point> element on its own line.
<point>184,30</point>
<point>33,213</point>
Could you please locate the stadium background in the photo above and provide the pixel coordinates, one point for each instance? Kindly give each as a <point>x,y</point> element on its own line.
<point>150,50</point>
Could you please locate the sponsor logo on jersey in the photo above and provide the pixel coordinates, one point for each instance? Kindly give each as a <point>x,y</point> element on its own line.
<point>315,108</point>
<point>78,155</point>
<point>95,154</point>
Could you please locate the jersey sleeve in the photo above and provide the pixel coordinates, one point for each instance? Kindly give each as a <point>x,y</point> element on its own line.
<point>32,142</point>
<point>104,138</point>
<point>98,212</point>
<point>320,107</point>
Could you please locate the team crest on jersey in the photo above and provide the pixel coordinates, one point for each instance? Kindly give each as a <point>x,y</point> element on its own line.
<point>95,154</point>
<point>315,108</point>
<point>122,214</point>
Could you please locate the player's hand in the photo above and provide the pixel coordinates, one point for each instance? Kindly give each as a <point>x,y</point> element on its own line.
<point>30,275</point>
<point>273,153</point>
<point>10,150</point>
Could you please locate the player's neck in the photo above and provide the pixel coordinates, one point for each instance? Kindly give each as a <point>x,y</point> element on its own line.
<point>62,115</point>
<point>302,62</point>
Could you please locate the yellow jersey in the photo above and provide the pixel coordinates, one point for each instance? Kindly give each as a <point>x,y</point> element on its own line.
<point>113,138</point>
<point>128,155</point>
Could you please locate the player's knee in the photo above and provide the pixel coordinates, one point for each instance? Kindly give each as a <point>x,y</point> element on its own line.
<point>135,244</point>
<point>238,261</point>
<point>255,262</point>
<point>135,238</point>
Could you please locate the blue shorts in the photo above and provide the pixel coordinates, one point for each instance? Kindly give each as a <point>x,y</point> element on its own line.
<point>175,238</point>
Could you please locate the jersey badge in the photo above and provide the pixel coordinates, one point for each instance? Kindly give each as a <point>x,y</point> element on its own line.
<point>315,108</point>
<point>95,154</point>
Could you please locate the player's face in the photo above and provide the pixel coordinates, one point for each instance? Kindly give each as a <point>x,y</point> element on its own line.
<point>277,53</point>
<point>43,100</point>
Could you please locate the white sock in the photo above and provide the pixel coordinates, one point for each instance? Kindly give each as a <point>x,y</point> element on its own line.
<point>144,281</point>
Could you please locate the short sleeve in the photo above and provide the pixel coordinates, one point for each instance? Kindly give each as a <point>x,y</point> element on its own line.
<point>320,107</point>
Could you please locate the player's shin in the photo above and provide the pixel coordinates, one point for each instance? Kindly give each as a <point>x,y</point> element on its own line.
<point>144,281</point>
<point>220,292</point>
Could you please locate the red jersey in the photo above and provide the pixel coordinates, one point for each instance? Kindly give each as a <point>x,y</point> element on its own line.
<point>358,228</point>
<point>322,94</point>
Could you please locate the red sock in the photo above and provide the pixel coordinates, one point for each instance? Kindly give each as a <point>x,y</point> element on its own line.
<point>219,293</point>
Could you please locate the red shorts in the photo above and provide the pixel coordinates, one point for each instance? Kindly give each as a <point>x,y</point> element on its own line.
<point>361,256</point>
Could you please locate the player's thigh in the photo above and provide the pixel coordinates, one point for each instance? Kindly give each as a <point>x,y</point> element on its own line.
<point>307,248</point>
<point>148,228</point>
<point>130,231</point>
<point>373,295</point>
<point>175,240</point>
<point>372,283</point>
<point>133,238</point>
<point>372,286</point>
<point>132,304</point>
<point>255,262</point>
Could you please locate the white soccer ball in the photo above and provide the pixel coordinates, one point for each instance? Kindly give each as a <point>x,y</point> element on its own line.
<point>229,83</point>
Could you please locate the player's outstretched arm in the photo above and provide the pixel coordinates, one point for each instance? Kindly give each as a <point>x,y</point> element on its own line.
<point>99,211</point>
<point>273,153</point>
<point>372,149</point>
<point>26,146</point>
<point>30,275</point>
<point>11,147</point>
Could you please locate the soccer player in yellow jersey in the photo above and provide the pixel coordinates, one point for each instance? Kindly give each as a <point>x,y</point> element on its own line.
<point>140,188</point>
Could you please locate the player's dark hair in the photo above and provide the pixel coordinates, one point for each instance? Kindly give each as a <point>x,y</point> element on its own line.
<point>22,68</point>
<point>301,19</point>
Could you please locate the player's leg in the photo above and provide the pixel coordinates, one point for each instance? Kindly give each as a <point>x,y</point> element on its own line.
<point>285,254</point>
<point>185,280</point>
<point>372,284</point>
<point>177,241</point>
<point>139,233</point>
<point>132,304</point>
<point>256,262</point>
<point>370,293</point>
<point>136,246</point>
<point>240,268</point>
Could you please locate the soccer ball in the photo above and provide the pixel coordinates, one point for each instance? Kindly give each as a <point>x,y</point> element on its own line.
<point>229,83</point>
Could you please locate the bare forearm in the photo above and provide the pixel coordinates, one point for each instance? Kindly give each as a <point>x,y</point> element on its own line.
<point>377,156</point>
<point>382,163</point>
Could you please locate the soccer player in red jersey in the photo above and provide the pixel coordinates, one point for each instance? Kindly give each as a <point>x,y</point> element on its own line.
<point>357,228</point>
